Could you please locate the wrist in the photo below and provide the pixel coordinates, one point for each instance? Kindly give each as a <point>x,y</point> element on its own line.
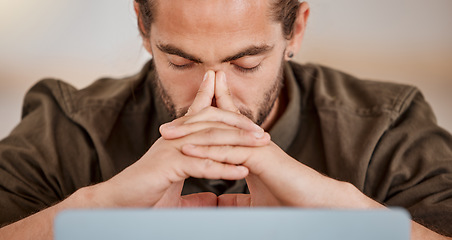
<point>351,197</point>
<point>91,197</point>
<point>332,193</point>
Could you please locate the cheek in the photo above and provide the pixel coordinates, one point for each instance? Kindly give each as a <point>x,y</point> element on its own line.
<point>249,90</point>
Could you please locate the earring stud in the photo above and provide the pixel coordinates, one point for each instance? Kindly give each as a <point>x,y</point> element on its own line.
<point>290,54</point>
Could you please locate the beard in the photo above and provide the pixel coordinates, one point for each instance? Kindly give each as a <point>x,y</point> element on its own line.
<point>266,103</point>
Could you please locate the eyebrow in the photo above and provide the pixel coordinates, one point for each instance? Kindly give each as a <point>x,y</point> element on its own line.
<point>170,49</point>
<point>249,51</point>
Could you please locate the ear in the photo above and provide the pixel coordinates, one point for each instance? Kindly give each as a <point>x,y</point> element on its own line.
<point>294,44</point>
<point>146,39</point>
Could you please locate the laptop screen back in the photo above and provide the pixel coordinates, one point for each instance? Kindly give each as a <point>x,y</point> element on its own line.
<point>233,223</point>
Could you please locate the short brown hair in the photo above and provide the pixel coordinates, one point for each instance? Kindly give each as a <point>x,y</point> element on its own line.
<point>284,11</point>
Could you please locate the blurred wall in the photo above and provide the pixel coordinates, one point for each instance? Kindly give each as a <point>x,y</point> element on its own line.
<point>406,41</point>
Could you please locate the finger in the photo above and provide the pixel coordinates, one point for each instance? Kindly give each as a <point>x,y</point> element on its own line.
<point>231,118</point>
<point>299,180</point>
<point>210,117</point>
<point>224,154</point>
<point>222,137</point>
<point>223,96</point>
<point>169,133</point>
<point>206,199</point>
<point>205,94</point>
<point>169,198</point>
<point>258,188</point>
<point>254,158</point>
<point>208,169</point>
<point>234,200</point>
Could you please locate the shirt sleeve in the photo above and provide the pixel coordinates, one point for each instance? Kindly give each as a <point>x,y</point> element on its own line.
<point>45,158</point>
<point>412,167</point>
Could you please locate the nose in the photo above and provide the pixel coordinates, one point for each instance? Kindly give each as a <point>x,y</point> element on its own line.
<point>216,67</point>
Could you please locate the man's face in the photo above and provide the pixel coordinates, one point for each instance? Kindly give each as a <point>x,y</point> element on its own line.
<point>238,37</point>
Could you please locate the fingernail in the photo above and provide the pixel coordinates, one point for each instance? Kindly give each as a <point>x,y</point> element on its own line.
<point>242,169</point>
<point>258,128</point>
<point>169,125</point>
<point>259,134</point>
<point>206,76</point>
<point>223,78</point>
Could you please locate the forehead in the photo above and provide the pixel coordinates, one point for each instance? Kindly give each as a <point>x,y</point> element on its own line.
<point>207,15</point>
<point>214,20</point>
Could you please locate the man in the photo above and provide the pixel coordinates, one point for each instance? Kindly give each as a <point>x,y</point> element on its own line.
<point>220,111</point>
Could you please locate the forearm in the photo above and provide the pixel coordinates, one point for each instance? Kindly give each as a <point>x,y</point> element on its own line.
<point>338,194</point>
<point>39,226</point>
<point>418,232</point>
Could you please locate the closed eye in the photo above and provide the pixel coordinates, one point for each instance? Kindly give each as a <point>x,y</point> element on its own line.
<point>181,66</point>
<point>247,70</point>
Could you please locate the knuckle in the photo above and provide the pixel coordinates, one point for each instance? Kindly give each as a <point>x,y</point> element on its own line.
<point>243,117</point>
<point>208,168</point>
<point>237,122</point>
<point>207,163</point>
<point>243,134</point>
<point>210,131</point>
<point>248,137</point>
<point>201,91</point>
<point>224,153</point>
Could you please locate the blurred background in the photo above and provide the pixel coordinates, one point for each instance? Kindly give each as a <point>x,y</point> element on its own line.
<point>406,41</point>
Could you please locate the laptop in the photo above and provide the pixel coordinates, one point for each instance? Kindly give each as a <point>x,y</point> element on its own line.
<point>233,224</point>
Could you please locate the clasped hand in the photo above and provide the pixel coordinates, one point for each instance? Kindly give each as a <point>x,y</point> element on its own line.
<point>217,143</point>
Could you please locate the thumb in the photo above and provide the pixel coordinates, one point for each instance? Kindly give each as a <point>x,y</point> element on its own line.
<point>205,94</point>
<point>206,199</point>
<point>234,200</point>
<point>223,96</point>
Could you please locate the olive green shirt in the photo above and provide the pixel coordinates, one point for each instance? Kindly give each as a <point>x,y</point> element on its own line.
<point>381,137</point>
